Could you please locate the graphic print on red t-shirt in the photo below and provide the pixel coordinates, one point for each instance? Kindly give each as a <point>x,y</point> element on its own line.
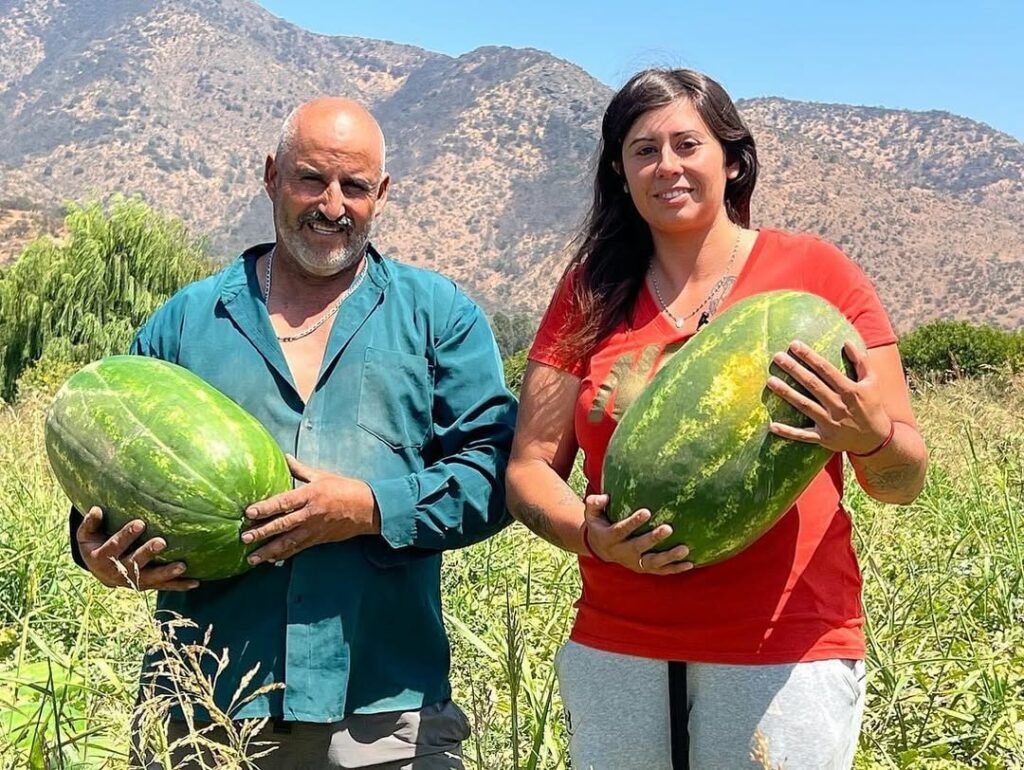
<point>792,596</point>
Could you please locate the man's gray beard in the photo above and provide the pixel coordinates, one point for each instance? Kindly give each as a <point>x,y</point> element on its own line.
<point>336,261</point>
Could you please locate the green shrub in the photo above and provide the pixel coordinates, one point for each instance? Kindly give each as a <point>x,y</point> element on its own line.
<point>512,332</point>
<point>515,370</point>
<point>83,297</point>
<point>44,377</point>
<point>947,349</point>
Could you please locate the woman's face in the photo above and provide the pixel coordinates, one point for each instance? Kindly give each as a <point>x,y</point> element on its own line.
<point>675,169</point>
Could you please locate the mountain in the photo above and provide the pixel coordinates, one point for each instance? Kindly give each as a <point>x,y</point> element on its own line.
<point>180,100</point>
<point>940,232</point>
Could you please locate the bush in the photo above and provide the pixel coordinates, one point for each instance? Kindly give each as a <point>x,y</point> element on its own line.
<point>83,297</point>
<point>44,377</point>
<point>512,332</point>
<point>515,370</point>
<point>951,349</point>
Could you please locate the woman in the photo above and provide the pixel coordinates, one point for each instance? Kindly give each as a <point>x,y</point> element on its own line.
<point>668,666</point>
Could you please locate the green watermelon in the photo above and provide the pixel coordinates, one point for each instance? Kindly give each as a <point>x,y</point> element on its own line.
<point>146,439</point>
<point>694,447</point>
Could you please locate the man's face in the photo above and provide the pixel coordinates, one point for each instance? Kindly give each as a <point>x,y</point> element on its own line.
<point>326,188</point>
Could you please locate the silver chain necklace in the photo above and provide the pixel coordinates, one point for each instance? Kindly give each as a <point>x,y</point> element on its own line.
<point>328,315</point>
<point>719,284</point>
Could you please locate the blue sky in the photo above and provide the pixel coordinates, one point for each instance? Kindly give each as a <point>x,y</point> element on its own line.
<point>960,57</point>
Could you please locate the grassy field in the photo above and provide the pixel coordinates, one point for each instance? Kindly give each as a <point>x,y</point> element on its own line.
<point>943,596</point>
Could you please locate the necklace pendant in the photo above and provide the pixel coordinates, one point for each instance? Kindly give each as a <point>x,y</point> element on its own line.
<point>679,322</point>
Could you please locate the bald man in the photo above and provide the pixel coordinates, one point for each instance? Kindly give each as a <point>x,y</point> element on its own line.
<point>384,383</point>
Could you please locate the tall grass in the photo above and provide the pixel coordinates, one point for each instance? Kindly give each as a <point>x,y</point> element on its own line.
<point>942,593</point>
<point>69,649</point>
<point>943,590</point>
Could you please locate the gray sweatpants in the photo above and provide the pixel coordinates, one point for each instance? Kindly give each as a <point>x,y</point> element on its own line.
<point>805,715</point>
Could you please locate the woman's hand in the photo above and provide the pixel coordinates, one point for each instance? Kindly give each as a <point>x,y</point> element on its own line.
<point>849,415</point>
<point>617,543</point>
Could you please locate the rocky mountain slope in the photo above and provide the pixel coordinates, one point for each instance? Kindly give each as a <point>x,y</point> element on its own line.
<point>180,100</point>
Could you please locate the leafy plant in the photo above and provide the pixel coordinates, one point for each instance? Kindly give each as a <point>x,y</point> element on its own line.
<point>84,297</point>
<point>515,370</point>
<point>513,332</point>
<point>946,349</point>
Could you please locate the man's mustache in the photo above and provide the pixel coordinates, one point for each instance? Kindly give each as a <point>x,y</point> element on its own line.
<point>344,220</point>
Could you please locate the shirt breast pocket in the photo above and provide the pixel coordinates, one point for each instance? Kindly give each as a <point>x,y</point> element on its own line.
<point>395,396</point>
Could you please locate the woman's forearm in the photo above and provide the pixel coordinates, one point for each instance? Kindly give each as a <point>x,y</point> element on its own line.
<point>896,474</point>
<point>540,499</point>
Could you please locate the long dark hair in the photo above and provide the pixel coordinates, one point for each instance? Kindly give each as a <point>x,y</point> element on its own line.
<point>613,247</point>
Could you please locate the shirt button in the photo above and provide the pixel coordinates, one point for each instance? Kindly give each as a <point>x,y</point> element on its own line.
<point>309,425</point>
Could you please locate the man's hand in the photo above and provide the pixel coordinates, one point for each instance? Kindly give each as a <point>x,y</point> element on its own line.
<point>108,560</point>
<point>328,508</point>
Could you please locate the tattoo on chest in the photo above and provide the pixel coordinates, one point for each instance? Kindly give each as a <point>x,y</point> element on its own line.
<point>720,293</point>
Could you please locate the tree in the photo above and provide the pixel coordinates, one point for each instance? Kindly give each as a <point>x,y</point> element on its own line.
<point>513,332</point>
<point>83,297</point>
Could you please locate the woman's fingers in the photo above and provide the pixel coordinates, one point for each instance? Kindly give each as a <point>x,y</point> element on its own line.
<point>624,529</point>
<point>619,542</point>
<point>806,406</point>
<point>820,367</point>
<point>822,396</point>
<point>859,359</point>
<point>594,505</point>
<point>670,562</point>
<point>648,540</point>
<point>805,435</point>
<point>605,531</point>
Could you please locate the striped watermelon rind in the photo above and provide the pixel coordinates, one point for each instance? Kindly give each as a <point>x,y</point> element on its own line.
<point>695,448</point>
<point>147,439</point>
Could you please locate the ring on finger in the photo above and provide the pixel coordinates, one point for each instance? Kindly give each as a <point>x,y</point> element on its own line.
<point>641,561</point>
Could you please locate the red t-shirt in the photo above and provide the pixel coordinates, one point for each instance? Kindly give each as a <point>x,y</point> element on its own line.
<point>794,595</point>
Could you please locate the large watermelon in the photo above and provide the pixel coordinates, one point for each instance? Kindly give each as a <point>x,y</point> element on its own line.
<point>146,439</point>
<point>694,447</point>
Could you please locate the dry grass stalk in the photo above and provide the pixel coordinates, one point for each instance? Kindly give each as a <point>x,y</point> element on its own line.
<point>180,679</point>
<point>760,752</point>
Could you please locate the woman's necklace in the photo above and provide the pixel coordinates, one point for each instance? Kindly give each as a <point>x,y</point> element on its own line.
<point>722,283</point>
<point>329,314</point>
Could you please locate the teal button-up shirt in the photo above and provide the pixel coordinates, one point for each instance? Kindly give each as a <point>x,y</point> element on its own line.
<point>410,398</point>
